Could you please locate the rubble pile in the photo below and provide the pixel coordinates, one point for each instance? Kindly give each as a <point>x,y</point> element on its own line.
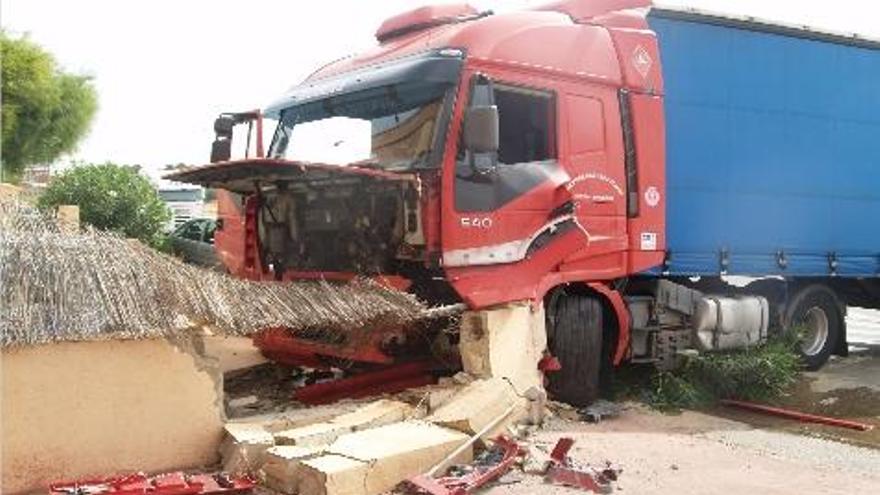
<point>89,285</point>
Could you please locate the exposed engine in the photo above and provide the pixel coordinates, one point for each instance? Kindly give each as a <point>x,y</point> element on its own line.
<point>352,225</point>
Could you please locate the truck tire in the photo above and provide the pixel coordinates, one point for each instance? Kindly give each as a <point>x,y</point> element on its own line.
<point>575,339</point>
<point>816,313</point>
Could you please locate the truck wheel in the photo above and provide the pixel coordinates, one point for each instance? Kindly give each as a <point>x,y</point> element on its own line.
<point>814,312</point>
<point>575,338</point>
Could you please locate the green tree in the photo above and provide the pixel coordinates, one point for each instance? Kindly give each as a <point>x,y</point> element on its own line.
<point>45,111</point>
<point>111,197</point>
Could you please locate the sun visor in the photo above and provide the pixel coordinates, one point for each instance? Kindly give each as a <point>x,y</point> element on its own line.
<point>443,66</point>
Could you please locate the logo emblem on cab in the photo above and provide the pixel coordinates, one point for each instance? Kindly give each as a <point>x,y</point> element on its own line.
<point>642,61</point>
<point>652,196</point>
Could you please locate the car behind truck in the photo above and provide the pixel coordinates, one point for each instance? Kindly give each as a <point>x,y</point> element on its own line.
<point>611,161</point>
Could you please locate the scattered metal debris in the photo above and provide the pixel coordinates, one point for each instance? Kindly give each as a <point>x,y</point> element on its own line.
<point>599,410</point>
<point>462,480</point>
<point>561,471</point>
<point>177,483</point>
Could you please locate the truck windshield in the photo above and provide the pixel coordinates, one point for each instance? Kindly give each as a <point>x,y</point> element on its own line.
<point>393,127</point>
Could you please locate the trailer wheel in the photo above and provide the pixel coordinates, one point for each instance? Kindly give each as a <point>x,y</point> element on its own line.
<point>575,338</point>
<point>815,313</point>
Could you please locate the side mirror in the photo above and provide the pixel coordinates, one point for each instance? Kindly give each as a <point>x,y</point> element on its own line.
<point>221,150</point>
<point>481,129</point>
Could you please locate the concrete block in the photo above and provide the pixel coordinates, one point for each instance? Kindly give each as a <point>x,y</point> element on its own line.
<point>378,413</point>
<point>477,405</point>
<point>331,475</point>
<point>312,435</point>
<point>395,452</point>
<point>244,447</point>
<point>281,464</point>
<point>507,341</point>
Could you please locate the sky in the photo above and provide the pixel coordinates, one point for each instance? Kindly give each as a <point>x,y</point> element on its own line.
<point>164,69</point>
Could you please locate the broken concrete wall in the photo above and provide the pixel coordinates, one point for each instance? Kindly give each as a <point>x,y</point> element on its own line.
<point>505,342</point>
<point>72,410</point>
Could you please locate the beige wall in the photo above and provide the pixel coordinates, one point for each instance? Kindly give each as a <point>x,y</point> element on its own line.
<point>8,191</point>
<point>97,408</point>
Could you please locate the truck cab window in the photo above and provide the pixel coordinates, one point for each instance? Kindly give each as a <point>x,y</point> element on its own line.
<point>525,125</point>
<point>526,153</point>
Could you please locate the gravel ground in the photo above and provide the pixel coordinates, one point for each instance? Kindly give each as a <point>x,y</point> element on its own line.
<point>731,451</point>
<point>695,453</point>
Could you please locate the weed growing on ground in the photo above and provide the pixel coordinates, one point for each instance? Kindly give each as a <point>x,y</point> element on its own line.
<point>760,373</point>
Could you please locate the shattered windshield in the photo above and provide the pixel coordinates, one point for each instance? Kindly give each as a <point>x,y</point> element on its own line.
<point>392,127</point>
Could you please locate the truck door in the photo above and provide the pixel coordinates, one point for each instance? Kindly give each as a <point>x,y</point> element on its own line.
<point>501,200</point>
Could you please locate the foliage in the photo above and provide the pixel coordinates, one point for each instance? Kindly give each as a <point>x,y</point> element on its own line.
<point>111,197</point>
<point>759,373</point>
<point>45,111</point>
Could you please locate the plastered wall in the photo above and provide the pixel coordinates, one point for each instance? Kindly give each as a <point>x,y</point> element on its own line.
<point>71,410</point>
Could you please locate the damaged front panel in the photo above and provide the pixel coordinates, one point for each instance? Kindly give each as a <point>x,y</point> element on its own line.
<point>324,218</point>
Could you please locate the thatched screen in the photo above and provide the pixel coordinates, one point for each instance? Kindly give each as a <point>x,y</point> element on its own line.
<point>57,286</point>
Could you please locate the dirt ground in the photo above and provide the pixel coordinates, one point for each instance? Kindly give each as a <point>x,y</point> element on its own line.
<point>723,451</point>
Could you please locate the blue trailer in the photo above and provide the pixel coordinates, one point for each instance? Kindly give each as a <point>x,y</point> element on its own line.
<point>772,172</point>
<point>773,148</point>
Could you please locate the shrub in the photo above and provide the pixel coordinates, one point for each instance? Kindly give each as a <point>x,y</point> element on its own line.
<point>111,197</point>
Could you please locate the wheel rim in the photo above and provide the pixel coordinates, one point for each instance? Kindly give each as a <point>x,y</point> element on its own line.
<point>815,331</point>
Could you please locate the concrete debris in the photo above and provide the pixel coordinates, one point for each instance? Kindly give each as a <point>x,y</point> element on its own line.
<point>244,447</point>
<point>508,341</point>
<point>279,472</point>
<point>428,399</point>
<point>476,405</point>
<point>331,475</point>
<point>250,400</point>
<point>312,435</point>
<point>378,413</point>
<point>537,460</point>
<point>397,451</point>
<point>363,452</point>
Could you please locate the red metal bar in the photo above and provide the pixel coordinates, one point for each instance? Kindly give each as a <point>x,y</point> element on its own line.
<point>394,378</point>
<point>797,415</point>
<point>281,345</point>
<point>561,472</point>
<point>560,451</point>
<point>566,476</point>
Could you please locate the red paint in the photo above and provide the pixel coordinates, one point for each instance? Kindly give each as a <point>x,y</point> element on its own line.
<point>549,363</point>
